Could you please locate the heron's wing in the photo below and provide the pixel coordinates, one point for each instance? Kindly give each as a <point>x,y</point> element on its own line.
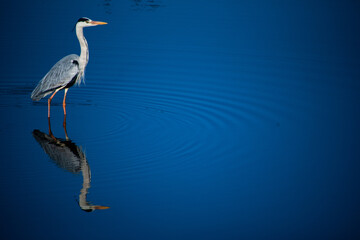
<point>60,75</point>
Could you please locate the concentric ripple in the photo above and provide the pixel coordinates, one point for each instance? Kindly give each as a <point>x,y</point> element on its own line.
<point>181,108</point>
<point>187,111</point>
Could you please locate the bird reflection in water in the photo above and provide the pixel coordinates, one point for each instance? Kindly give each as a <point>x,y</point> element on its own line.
<point>67,155</point>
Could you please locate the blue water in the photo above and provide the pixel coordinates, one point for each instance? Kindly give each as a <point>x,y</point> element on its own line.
<point>197,120</point>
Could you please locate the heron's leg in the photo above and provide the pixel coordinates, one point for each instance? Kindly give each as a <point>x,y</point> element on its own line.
<point>64,103</point>
<point>50,132</point>
<point>49,101</point>
<point>64,125</point>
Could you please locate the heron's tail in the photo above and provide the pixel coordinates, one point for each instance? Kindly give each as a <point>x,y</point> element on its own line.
<point>38,94</point>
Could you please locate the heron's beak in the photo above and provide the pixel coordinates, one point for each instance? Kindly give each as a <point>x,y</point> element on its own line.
<point>98,23</point>
<point>100,207</point>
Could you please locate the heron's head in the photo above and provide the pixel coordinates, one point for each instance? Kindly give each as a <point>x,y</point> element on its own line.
<point>87,22</point>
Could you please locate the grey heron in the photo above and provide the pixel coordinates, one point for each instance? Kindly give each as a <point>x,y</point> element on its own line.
<point>68,71</point>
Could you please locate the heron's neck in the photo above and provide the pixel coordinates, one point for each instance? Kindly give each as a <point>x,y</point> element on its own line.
<point>84,55</point>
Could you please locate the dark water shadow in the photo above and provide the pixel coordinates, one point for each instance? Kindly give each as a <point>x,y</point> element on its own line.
<point>147,4</point>
<point>70,157</point>
<point>22,90</point>
<point>107,6</point>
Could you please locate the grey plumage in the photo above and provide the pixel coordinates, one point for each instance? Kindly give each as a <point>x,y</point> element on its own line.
<point>66,72</point>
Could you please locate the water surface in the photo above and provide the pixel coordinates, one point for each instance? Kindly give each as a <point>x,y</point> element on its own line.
<point>198,120</point>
